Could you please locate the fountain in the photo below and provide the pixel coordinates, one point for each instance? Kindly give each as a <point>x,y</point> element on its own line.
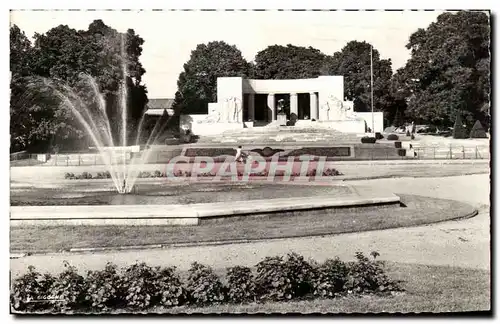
<point>96,123</point>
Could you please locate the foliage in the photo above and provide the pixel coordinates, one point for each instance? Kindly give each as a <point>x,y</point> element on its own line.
<point>398,119</point>
<point>204,286</point>
<point>449,70</point>
<point>353,62</point>
<point>197,83</point>
<point>141,287</point>
<point>392,137</point>
<point>459,130</point>
<point>288,62</point>
<point>283,279</point>
<point>68,289</point>
<point>477,130</point>
<point>368,276</point>
<point>40,119</point>
<point>104,288</point>
<point>367,139</point>
<point>30,292</point>
<point>241,284</point>
<point>170,289</point>
<point>330,278</point>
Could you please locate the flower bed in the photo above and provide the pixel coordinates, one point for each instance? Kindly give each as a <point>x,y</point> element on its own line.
<point>140,287</point>
<point>329,172</point>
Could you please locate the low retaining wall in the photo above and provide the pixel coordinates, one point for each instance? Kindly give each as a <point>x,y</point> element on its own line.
<point>184,215</point>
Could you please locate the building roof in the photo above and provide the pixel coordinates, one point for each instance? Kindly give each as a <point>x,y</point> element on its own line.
<point>156,107</point>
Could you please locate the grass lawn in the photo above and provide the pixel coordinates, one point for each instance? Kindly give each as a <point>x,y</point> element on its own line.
<point>419,210</point>
<point>427,289</point>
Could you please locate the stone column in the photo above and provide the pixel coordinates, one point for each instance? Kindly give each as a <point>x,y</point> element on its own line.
<point>251,106</point>
<point>313,104</point>
<point>271,105</point>
<point>294,104</point>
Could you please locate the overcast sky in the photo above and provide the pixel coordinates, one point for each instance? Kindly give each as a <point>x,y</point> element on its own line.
<point>170,36</point>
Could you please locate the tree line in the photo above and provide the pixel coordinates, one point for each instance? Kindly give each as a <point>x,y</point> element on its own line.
<point>447,75</point>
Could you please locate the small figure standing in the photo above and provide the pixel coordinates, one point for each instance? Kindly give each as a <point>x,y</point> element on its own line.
<point>240,155</point>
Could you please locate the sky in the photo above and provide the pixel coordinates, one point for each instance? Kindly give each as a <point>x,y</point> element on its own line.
<point>170,36</point>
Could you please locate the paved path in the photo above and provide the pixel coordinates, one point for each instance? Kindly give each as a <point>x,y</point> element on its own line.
<point>456,243</point>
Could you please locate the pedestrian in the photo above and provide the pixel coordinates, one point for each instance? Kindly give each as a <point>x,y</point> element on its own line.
<point>240,156</point>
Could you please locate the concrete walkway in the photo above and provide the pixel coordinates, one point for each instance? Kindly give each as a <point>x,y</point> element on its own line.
<point>464,243</point>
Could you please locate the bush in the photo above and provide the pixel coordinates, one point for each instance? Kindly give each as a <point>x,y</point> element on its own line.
<point>379,136</point>
<point>204,286</point>
<point>107,175</point>
<point>170,289</point>
<point>278,279</point>
<point>401,152</point>
<point>478,131</point>
<point>241,284</point>
<point>459,131</point>
<point>367,139</point>
<point>368,276</point>
<point>139,284</point>
<point>31,291</point>
<point>330,278</point>
<point>392,137</point>
<point>157,173</point>
<point>68,290</point>
<point>104,289</point>
<point>141,287</point>
<point>398,145</point>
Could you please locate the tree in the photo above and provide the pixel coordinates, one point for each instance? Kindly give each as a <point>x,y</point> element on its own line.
<point>459,130</point>
<point>448,72</point>
<point>353,62</point>
<point>288,62</point>
<point>398,119</point>
<point>477,130</point>
<point>58,58</point>
<point>197,84</point>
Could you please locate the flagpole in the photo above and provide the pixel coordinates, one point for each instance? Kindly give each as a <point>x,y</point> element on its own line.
<point>371,86</point>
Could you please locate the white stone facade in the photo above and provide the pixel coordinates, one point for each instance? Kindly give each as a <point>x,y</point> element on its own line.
<point>236,105</point>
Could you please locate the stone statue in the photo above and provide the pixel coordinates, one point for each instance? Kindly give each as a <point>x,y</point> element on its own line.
<point>236,109</point>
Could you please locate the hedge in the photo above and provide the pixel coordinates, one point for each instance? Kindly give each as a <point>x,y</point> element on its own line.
<point>140,287</point>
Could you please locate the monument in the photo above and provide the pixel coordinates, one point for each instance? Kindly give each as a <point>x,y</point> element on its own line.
<point>241,101</point>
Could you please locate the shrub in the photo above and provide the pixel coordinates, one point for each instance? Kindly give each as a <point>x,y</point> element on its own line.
<point>30,292</point>
<point>204,286</point>
<point>478,131</point>
<point>368,276</point>
<point>367,139</point>
<point>278,279</point>
<point>68,289</point>
<point>401,152</point>
<point>139,285</point>
<point>459,131</point>
<point>104,289</point>
<point>392,137</point>
<point>107,175</point>
<point>379,136</point>
<point>157,173</point>
<point>311,173</point>
<point>398,145</point>
<point>330,278</point>
<point>99,175</point>
<point>86,175</point>
<point>170,289</point>
<point>241,284</point>
<point>67,175</point>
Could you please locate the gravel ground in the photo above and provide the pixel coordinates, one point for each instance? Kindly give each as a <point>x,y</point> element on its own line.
<point>464,243</point>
